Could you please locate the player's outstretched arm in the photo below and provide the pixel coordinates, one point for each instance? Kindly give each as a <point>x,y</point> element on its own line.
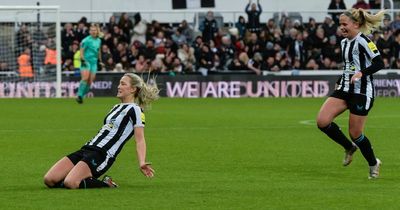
<point>144,167</point>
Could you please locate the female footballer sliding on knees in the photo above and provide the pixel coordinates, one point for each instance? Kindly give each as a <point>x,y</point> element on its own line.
<point>355,89</point>
<point>82,168</point>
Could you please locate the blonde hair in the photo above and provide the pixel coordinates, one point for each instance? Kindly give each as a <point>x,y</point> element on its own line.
<point>146,93</point>
<point>367,21</point>
<point>100,34</point>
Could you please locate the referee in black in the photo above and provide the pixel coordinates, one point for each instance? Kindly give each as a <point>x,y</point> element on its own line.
<point>355,89</point>
<point>82,168</point>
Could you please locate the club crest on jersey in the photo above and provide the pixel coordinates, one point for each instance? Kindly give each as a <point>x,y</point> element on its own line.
<point>350,67</point>
<point>111,125</point>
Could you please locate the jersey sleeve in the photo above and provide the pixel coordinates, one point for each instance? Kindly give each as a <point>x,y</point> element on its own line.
<point>84,43</point>
<point>370,48</point>
<point>137,117</point>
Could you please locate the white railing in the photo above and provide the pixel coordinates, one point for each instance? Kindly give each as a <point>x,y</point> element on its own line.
<point>176,16</point>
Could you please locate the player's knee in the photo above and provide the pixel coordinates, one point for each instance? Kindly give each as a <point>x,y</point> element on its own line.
<point>355,133</point>
<point>49,181</point>
<point>322,122</point>
<point>71,184</point>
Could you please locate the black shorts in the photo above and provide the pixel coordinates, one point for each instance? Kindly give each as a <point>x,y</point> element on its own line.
<point>97,161</point>
<point>357,104</point>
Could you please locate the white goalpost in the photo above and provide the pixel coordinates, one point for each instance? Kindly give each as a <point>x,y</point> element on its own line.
<point>30,51</point>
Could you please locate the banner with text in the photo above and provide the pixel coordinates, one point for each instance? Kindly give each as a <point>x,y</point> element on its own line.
<point>196,86</point>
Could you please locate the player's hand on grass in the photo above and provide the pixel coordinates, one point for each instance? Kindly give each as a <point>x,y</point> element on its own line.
<point>147,170</point>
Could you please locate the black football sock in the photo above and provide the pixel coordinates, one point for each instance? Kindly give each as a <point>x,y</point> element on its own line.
<point>366,149</point>
<point>336,134</point>
<point>92,183</point>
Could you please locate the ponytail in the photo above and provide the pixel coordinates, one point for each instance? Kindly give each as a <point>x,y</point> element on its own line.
<point>146,93</point>
<point>367,21</point>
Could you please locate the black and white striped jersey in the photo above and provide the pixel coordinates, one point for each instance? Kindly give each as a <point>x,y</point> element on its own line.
<point>357,54</point>
<point>118,128</point>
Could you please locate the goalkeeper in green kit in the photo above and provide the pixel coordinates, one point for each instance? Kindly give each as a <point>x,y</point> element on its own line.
<point>90,54</point>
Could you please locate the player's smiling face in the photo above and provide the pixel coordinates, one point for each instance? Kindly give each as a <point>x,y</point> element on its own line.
<point>348,27</point>
<point>125,89</point>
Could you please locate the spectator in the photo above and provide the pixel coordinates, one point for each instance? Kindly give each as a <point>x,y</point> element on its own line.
<point>111,23</point>
<point>25,64</point>
<point>325,64</point>
<point>139,29</point>
<point>105,52</point>
<point>206,60</point>
<point>120,52</point>
<point>125,62</point>
<point>109,65</point>
<point>186,55</point>
<point>253,16</point>
<point>197,45</point>
<point>149,50</point>
<point>254,64</point>
<point>269,28</point>
<point>297,50</point>
<point>125,24</point>
<point>244,58</point>
<point>187,31</point>
<point>178,37</point>
<point>50,60</point>
<point>361,4</point>
<point>241,26</point>
<point>67,37</point>
<point>312,65</point>
<point>76,58</point>
<point>298,25</point>
<point>336,5</point>
<point>118,68</point>
<point>4,67</point>
<point>132,55</point>
<point>385,45</point>
<point>395,24</point>
<point>118,34</point>
<point>159,39</point>
<point>318,41</point>
<point>332,50</point>
<point>68,65</point>
<point>329,26</point>
<point>270,64</point>
<point>396,44</point>
<point>23,39</point>
<point>141,64</point>
<point>253,45</point>
<point>396,64</point>
<point>311,26</point>
<point>81,31</point>
<point>209,27</point>
<point>269,50</point>
<point>386,24</point>
<point>177,66</point>
<point>375,4</point>
<point>227,52</point>
<point>236,64</point>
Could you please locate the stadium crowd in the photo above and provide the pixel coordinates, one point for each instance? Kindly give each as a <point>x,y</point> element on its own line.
<point>130,44</point>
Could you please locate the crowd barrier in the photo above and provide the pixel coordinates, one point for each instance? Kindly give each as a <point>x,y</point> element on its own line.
<point>285,84</point>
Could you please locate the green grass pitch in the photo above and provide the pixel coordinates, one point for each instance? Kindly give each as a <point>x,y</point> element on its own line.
<point>207,153</point>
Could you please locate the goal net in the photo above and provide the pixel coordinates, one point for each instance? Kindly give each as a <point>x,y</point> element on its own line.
<point>30,61</point>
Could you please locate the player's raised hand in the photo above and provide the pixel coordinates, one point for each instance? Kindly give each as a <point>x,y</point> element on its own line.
<point>147,170</point>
